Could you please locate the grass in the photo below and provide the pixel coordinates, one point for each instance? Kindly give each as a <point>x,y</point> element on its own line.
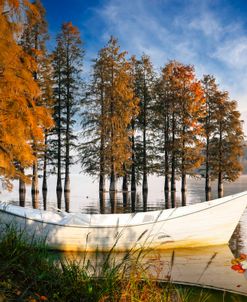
<point>29,272</point>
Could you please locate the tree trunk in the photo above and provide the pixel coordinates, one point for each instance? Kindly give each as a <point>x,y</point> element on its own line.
<point>112,136</point>
<point>144,182</point>
<point>208,183</point>
<point>102,182</point>
<point>102,166</point>
<point>173,178</point>
<point>125,199</point>
<point>59,177</point>
<point>67,201</point>
<point>133,201</point>
<point>44,184</point>
<point>184,183</point>
<point>125,182</point>
<point>44,194</point>
<point>113,201</point>
<point>220,193</point>
<point>207,175</point>
<point>67,183</point>
<point>67,133</point>
<point>59,198</point>
<point>113,181</point>
<point>35,188</point>
<point>173,199</point>
<point>145,200</point>
<point>133,165</point>
<point>133,178</point>
<point>167,180</point>
<point>22,191</point>
<point>184,198</point>
<point>167,200</point>
<point>220,184</point>
<point>102,142</point>
<point>102,202</point>
<point>166,135</point>
<point>220,174</point>
<point>208,195</point>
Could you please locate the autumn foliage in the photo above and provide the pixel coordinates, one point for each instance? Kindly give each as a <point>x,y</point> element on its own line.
<point>21,118</point>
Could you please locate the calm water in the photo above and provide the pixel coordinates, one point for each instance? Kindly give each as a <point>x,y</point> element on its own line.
<point>205,266</point>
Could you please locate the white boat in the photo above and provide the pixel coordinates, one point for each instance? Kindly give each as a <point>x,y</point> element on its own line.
<point>201,224</point>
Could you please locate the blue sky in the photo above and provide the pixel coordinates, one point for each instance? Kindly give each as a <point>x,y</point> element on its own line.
<point>210,34</point>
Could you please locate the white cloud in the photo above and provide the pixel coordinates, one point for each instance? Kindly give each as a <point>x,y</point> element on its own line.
<point>207,24</point>
<point>192,31</point>
<point>233,53</point>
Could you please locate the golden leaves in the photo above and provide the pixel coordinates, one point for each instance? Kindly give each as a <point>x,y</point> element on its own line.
<point>21,118</point>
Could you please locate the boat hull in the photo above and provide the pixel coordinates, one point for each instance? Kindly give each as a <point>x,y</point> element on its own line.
<point>203,224</point>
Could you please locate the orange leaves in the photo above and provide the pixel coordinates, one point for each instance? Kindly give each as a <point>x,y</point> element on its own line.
<point>239,264</point>
<point>21,118</point>
<point>184,107</point>
<point>118,103</point>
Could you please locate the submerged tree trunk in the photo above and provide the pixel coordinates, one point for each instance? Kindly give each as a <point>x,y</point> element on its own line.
<point>113,181</point>
<point>208,195</point>
<point>183,198</point>
<point>67,133</point>
<point>184,183</point>
<point>102,199</point>
<point>102,171</point>
<point>167,180</point>
<point>67,182</point>
<point>125,182</point>
<point>133,201</point>
<point>173,199</point>
<point>207,175</point>
<point>102,140</point>
<point>113,202</point>
<point>220,174</point>
<point>44,194</point>
<point>145,182</point>
<point>67,201</point>
<point>166,136</point>
<point>220,184</point>
<point>59,198</point>
<point>22,191</point>
<point>145,200</point>
<point>102,182</point>
<point>35,188</point>
<point>133,164</point>
<point>167,200</point>
<point>44,184</point>
<point>173,177</point>
<point>125,199</point>
<point>59,177</point>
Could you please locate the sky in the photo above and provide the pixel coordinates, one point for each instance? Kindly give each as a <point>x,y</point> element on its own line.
<point>209,34</point>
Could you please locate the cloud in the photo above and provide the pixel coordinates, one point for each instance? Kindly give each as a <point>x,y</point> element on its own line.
<point>206,34</point>
<point>233,53</point>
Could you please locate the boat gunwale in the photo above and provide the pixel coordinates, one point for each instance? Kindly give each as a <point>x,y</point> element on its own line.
<point>130,225</point>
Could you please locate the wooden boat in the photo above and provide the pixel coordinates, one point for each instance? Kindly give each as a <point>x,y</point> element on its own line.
<point>201,224</point>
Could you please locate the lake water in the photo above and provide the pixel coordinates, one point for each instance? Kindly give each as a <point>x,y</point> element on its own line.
<point>210,267</point>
